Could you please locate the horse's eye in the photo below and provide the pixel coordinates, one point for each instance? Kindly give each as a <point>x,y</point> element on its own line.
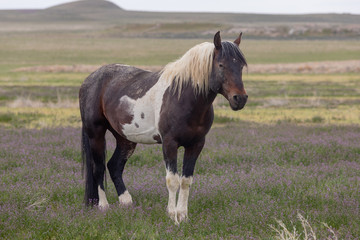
<point>220,65</point>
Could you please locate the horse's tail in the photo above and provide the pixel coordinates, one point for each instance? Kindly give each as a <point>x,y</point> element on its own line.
<point>88,165</point>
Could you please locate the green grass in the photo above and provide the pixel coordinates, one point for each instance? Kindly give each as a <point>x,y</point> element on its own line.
<point>39,117</point>
<point>299,99</point>
<point>74,49</point>
<point>39,79</point>
<point>274,51</point>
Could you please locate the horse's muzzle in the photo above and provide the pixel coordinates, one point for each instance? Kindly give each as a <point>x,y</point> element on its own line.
<point>238,102</point>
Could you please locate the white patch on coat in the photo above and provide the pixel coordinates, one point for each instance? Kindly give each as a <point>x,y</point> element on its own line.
<point>103,203</point>
<point>125,198</point>
<point>143,130</point>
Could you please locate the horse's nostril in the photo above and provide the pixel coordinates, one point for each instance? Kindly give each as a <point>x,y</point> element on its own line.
<point>238,98</point>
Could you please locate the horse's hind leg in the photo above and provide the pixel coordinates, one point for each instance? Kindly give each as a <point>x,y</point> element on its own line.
<point>94,145</point>
<point>124,149</point>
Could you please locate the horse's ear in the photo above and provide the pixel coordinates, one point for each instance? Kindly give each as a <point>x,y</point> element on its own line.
<point>217,41</point>
<point>238,40</point>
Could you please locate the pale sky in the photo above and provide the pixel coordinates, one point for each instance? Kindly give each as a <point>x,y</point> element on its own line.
<point>237,6</point>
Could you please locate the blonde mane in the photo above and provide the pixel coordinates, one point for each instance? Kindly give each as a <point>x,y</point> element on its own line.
<point>193,67</point>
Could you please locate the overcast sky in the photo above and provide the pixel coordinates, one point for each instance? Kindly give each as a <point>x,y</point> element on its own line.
<point>240,6</point>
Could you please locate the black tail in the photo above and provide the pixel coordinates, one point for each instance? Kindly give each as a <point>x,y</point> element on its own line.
<point>92,167</point>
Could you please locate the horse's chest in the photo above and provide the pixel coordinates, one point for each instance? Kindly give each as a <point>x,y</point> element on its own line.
<point>145,112</point>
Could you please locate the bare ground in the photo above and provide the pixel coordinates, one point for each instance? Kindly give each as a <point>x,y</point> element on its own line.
<point>305,67</point>
<point>308,67</point>
<point>77,68</point>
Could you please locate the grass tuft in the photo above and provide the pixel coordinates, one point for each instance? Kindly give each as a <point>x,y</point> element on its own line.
<point>38,201</point>
<point>317,119</point>
<point>306,233</point>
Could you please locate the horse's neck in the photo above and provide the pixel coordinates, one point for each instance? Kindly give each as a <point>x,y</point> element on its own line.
<point>202,111</point>
<point>205,101</point>
<point>200,103</point>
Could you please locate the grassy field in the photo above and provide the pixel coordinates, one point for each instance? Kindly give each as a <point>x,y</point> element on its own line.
<point>93,48</point>
<point>248,176</point>
<point>293,149</point>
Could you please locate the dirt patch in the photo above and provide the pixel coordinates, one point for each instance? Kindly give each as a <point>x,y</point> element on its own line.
<point>306,67</point>
<point>79,68</point>
<point>59,68</point>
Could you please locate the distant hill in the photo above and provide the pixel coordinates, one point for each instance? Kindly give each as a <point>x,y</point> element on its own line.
<point>119,22</point>
<point>86,6</point>
<point>83,10</point>
<point>108,11</point>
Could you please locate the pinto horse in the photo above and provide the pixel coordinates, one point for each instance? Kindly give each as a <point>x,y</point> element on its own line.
<point>172,107</point>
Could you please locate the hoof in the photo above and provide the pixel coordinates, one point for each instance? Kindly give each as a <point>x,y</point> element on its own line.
<point>125,199</point>
<point>103,206</point>
<point>178,216</point>
<point>173,216</point>
<point>182,216</point>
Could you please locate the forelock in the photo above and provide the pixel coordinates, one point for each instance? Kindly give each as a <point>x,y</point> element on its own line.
<point>230,50</point>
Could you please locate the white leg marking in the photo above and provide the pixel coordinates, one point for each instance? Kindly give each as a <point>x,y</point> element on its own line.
<point>125,198</point>
<point>182,205</point>
<point>103,203</point>
<point>172,184</point>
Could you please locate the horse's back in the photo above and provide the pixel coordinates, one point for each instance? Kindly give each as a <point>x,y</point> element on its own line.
<point>110,80</point>
<point>121,74</point>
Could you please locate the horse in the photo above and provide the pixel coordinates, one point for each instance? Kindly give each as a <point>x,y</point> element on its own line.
<point>172,107</point>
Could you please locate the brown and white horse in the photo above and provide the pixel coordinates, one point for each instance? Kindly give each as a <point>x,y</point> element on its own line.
<point>172,107</point>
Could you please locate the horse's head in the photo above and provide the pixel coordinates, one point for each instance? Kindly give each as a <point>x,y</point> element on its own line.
<point>226,76</point>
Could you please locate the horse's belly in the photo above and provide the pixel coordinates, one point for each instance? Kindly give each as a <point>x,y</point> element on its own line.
<point>148,135</point>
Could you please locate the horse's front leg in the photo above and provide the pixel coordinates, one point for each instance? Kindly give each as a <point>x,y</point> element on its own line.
<point>190,157</point>
<point>172,177</point>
